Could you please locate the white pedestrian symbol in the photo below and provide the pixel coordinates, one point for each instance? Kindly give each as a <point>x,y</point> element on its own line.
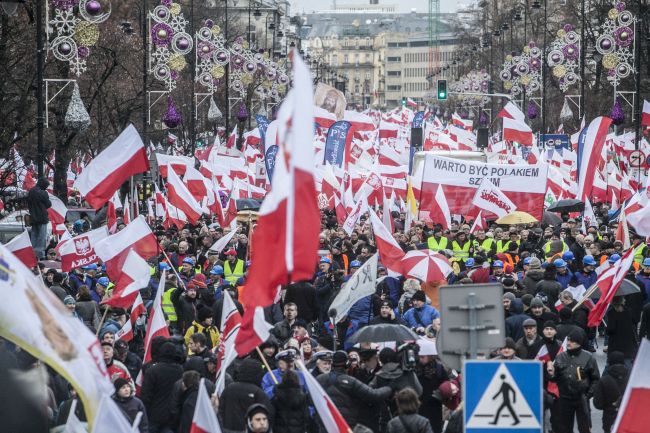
<point>502,405</point>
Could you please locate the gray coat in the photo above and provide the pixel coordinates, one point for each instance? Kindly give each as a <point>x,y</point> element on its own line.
<point>88,311</point>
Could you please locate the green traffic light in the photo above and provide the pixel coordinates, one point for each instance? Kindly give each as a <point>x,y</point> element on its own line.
<point>442,90</point>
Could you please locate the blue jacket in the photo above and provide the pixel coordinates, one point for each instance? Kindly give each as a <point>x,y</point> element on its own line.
<point>78,280</point>
<point>268,385</point>
<point>565,279</point>
<point>353,327</point>
<point>644,282</point>
<point>361,311</point>
<point>427,315</point>
<point>586,280</point>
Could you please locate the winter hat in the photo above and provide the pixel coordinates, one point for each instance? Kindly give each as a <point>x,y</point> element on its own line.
<point>577,336</point>
<point>419,296</point>
<point>565,313</point>
<point>326,341</point>
<point>527,299</point>
<point>536,303</point>
<point>340,357</point>
<point>509,344</point>
<point>615,357</point>
<point>387,355</point>
<point>203,313</point>
<point>120,382</point>
<point>299,322</point>
<point>509,295</point>
<point>109,327</point>
<point>528,323</point>
<point>550,324</point>
<point>69,300</point>
<point>508,282</point>
<point>534,264</point>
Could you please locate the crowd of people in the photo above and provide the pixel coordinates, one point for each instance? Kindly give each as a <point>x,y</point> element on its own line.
<point>376,388</point>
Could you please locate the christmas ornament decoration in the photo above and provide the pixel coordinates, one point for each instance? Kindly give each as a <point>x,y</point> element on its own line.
<point>242,114</point>
<point>214,114</point>
<point>472,82</point>
<point>532,111</point>
<point>566,115</point>
<point>523,72</point>
<point>73,27</point>
<point>564,57</point>
<point>616,43</point>
<point>617,114</point>
<point>172,117</point>
<point>76,117</point>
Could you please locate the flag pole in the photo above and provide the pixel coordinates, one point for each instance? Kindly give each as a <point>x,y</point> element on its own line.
<point>266,364</point>
<point>180,280</point>
<point>101,322</point>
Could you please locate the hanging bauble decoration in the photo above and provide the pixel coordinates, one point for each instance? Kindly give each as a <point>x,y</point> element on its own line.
<point>564,57</point>
<point>566,115</point>
<point>76,117</point>
<point>617,114</point>
<point>172,117</point>
<point>532,110</point>
<point>482,119</point>
<point>616,43</point>
<point>242,114</point>
<point>170,43</point>
<point>214,114</point>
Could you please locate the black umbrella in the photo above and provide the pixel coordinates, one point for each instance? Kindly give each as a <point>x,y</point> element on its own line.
<point>627,287</point>
<point>567,205</point>
<point>551,219</point>
<point>248,204</point>
<point>383,333</point>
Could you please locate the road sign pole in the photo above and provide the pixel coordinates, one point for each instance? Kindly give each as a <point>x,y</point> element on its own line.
<point>473,323</point>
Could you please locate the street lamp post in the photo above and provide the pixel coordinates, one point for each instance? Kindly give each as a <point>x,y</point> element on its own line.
<point>40,99</point>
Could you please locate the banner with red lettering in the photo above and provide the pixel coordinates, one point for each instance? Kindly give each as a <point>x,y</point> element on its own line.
<point>523,184</point>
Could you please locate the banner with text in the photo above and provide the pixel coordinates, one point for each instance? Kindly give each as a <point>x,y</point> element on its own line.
<point>338,139</point>
<point>523,184</point>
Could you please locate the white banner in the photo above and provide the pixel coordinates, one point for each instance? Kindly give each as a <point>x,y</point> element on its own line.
<point>492,199</point>
<point>353,217</point>
<point>360,285</point>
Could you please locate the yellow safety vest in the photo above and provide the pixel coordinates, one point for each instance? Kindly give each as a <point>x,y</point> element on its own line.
<point>232,275</point>
<point>503,247</point>
<point>168,306</point>
<point>547,247</point>
<point>486,245</point>
<point>640,254</point>
<point>461,252</point>
<point>437,245</point>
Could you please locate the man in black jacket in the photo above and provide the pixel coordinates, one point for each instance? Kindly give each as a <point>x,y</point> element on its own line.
<point>610,388</point>
<point>158,384</point>
<point>38,202</point>
<point>348,393</point>
<point>238,396</point>
<point>576,373</point>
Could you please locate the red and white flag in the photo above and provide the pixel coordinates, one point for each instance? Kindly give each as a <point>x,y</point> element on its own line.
<point>179,196</point>
<point>157,325</point>
<point>490,198</point>
<point>608,282</point>
<point>516,130</point>
<point>645,116</point>
<point>329,414</point>
<point>439,212</point>
<point>511,111</point>
<point>226,353</point>
<point>633,410</point>
<point>136,236</point>
<point>57,215</point>
<point>111,212</point>
<point>196,183</point>
<point>289,217</point>
<point>205,420</point>
<point>80,250</point>
<point>390,252</point>
<point>479,223</point>
<point>135,276</point>
<point>359,209</point>
<point>640,220</point>
<point>622,231</point>
<point>21,247</point>
<point>125,157</point>
<point>138,309</point>
<point>411,103</point>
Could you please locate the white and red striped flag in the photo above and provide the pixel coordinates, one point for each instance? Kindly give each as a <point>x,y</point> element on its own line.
<point>180,197</point>
<point>516,130</point>
<point>645,116</point>
<point>633,412</point>
<point>440,213</point>
<point>114,249</point>
<point>390,252</point>
<point>57,215</point>
<point>21,247</point>
<point>204,420</point>
<point>104,175</point>
<point>157,325</point>
<point>137,310</point>
<point>80,250</point>
<point>479,223</point>
<point>511,111</point>
<point>111,212</point>
<point>329,414</point>
<point>135,276</point>
<point>226,353</point>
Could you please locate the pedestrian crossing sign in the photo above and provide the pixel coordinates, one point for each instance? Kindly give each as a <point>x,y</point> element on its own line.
<point>503,396</point>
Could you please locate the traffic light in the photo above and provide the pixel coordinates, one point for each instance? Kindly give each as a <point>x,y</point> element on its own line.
<point>403,101</point>
<point>442,90</point>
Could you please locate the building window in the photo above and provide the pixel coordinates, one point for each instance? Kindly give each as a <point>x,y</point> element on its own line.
<point>394,59</point>
<point>335,60</point>
<point>368,58</point>
<point>394,73</point>
<point>346,59</point>
<point>393,88</point>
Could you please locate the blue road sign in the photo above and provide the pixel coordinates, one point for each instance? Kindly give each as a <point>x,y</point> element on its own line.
<point>503,396</point>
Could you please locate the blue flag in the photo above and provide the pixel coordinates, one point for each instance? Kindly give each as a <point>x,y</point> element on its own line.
<point>337,140</point>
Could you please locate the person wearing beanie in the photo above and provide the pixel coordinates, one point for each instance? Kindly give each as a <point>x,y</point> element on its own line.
<point>526,300</point>
<point>508,351</point>
<point>609,390</point>
<point>203,325</point>
<point>420,315</point>
<point>386,315</point>
<point>565,323</point>
<point>528,346</point>
<point>541,314</point>
<point>114,368</point>
<point>349,394</point>
<point>549,288</point>
<point>507,299</point>
<point>547,354</point>
<point>129,404</point>
<point>533,275</point>
<point>576,373</point>
<point>515,323</point>
<point>258,419</point>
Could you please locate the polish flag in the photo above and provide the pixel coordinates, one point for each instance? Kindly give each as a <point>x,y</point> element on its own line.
<point>160,201</point>
<point>289,218</point>
<point>640,220</point>
<point>360,121</point>
<point>323,118</point>
<point>114,249</point>
<point>21,247</point>
<point>440,213</point>
<point>516,130</point>
<point>411,103</point>
<point>511,111</point>
<point>57,215</point>
<point>125,157</point>
<point>157,325</point>
<point>195,183</point>
<point>230,213</point>
<point>125,333</point>
<point>390,253</point>
<point>329,414</point>
<point>177,162</point>
<point>232,139</point>
<point>80,250</point>
<point>111,212</point>
<point>174,217</point>
<point>205,420</point>
<point>622,231</point>
<point>466,124</point>
<point>543,354</point>
<point>226,353</point>
<point>126,210</point>
<point>179,196</point>
<point>135,276</point>
<point>633,412</point>
<point>479,223</point>
<point>388,130</point>
<point>609,282</point>
<point>590,147</point>
<point>137,310</point>
<point>645,117</point>
<point>489,197</point>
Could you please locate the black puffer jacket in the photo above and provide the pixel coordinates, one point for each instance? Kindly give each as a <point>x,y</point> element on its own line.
<point>38,202</point>
<point>610,388</point>
<point>411,423</point>
<point>566,365</point>
<point>159,380</point>
<point>348,394</point>
<point>130,407</point>
<point>238,396</point>
<point>291,409</point>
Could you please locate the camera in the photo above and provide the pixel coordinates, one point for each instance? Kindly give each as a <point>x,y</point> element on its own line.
<point>408,353</point>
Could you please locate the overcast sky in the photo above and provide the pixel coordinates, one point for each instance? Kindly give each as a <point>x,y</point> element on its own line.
<point>404,5</point>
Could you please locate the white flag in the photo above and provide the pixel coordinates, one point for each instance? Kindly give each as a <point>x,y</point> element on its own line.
<point>360,285</point>
<point>489,197</point>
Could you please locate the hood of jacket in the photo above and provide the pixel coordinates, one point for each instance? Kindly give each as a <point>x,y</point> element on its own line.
<point>390,370</point>
<point>248,371</point>
<point>516,306</point>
